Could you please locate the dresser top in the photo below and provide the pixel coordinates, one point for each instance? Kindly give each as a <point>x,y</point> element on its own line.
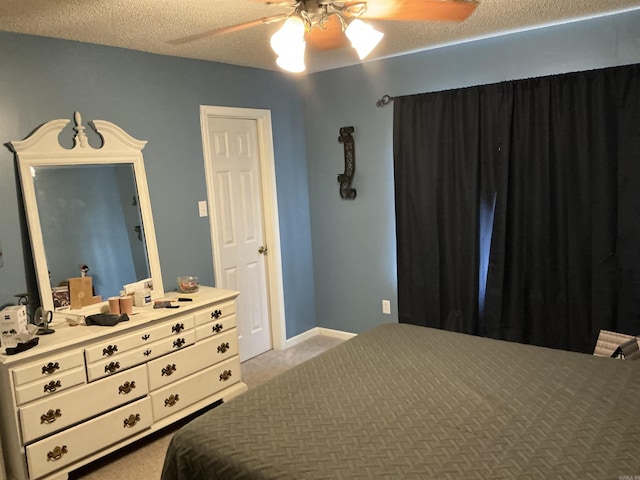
<point>68,336</point>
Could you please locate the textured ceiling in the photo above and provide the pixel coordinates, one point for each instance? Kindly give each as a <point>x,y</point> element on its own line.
<point>150,25</point>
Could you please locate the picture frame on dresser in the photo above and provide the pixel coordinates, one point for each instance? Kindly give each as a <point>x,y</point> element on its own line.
<point>86,391</point>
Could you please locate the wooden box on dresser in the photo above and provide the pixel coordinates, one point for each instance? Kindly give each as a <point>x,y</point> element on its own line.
<point>86,391</point>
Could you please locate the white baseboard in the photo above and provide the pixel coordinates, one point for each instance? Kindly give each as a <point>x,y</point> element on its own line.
<point>342,335</point>
<point>317,331</point>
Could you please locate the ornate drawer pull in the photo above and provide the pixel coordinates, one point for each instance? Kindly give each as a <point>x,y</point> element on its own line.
<point>216,328</point>
<point>110,350</point>
<point>52,386</point>
<point>172,400</point>
<point>57,453</point>
<point>179,342</point>
<point>126,388</point>
<point>223,347</point>
<point>146,353</point>
<point>168,370</point>
<point>226,375</point>
<point>145,337</point>
<point>112,367</point>
<point>216,314</point>
<point>132,420</point>
<point>50,368</point>
<point>50,417</point>
<point>177,328</point>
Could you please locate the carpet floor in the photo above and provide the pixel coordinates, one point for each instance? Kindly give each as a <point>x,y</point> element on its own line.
<point>144,459</point>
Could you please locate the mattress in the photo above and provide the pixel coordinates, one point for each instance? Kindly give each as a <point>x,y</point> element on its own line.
<point>403,402</point>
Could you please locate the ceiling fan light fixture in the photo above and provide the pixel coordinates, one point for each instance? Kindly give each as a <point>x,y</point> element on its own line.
<point>363,37</point>
<point>291,63</point>
<point>291,58</point>
<point>291,32</point>
<point>288,43</point>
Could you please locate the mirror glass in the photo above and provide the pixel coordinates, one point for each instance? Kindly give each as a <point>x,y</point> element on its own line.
<point>89,214</point>
<point>112,249</point>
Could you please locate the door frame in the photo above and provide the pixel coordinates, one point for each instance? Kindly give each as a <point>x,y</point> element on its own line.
<point>273,260</point>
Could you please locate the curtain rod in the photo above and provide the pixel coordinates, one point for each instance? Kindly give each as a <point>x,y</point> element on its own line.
<point>384,101</point>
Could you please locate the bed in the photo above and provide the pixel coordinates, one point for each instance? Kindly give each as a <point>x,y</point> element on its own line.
<point>404,402</point>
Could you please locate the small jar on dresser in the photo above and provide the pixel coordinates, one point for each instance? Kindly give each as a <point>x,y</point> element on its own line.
<point>86,391</point>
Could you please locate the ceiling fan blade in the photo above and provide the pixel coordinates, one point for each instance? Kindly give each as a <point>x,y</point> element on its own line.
<point>229,29</point>
<point>329,38</point>
<point>417,10</point>
<point>289,3</point>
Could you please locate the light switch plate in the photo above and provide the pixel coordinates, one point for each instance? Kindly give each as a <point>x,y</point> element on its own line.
<point>202,208</point>
<point>386,307</point>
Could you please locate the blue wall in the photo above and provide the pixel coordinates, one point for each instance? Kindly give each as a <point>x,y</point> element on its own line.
<point>155,98</point>
<point>354,241</point>
<point>338,256</point>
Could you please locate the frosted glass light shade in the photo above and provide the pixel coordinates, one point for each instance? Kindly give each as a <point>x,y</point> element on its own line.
<point>292,60</point>
<point>363,37</point>
<point>291,33</point>
<point>291,64</point>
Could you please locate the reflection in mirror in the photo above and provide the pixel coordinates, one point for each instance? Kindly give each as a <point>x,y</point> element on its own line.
<point>89,216</point>
<point>87,208</point>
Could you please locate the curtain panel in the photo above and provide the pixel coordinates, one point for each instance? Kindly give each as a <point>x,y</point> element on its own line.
<point>518,208</point>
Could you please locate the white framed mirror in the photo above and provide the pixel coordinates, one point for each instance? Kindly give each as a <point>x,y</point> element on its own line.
<point>88,211</point>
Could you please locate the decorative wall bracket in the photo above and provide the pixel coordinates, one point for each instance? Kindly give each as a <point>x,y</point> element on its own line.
<point>346,178</point>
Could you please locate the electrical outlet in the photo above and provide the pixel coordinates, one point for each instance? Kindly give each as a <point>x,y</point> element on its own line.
<point>386,307</point>
<point>202,208</point>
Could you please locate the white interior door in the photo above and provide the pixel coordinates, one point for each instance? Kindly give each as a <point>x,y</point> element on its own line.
<point>243,254</point>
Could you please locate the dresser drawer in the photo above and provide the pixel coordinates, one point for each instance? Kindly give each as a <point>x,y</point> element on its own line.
<point>215,327</point>
<point>215,312</point>
<point>50,385</point>
<point>178,395</point>
<point>124,343</point>
<point>68,408</point>
<point>47,368</point>
<point>69,446</point>
<point>139,355</point>
<point>175,366</point>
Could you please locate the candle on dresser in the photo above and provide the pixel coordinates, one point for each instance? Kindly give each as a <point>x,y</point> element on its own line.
<point>126,304</point>
<point>114,305</point>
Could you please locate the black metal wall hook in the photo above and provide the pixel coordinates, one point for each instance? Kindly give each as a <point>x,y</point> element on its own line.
<point>346,178</point>
<point>384,101</point>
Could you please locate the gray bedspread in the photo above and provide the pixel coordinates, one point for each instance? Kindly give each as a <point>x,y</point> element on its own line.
<point>405,402</point>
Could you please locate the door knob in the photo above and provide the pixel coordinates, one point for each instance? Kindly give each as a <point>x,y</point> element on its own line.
<point>262,250</point>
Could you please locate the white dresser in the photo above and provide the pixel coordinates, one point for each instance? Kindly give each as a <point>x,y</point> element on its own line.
<point>86,391</point>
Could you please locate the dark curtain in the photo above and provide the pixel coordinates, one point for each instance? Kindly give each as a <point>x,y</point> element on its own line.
<point>518,208</point>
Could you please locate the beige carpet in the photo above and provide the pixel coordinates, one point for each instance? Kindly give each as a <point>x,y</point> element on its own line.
<point>144,459</point>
